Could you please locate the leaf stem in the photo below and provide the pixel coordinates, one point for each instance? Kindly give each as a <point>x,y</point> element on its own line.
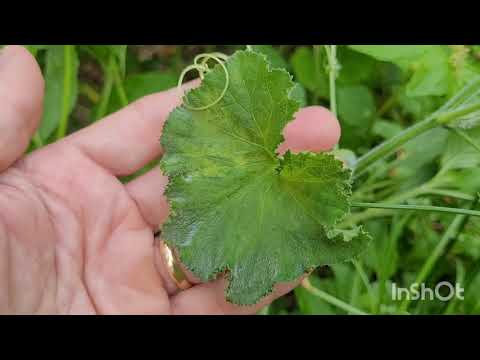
<point>107,88</point>
<point>332,300</point>
<point>449,116</point>
<point>331,51</point>
<point>119,85</point>
<point>363,276</point>
<point>417,207</point>
<point>449,193</point>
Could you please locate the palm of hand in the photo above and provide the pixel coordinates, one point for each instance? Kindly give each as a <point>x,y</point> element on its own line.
<point>73,238</point>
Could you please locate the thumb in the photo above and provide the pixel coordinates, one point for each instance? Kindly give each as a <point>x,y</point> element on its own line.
<point>21,98</point>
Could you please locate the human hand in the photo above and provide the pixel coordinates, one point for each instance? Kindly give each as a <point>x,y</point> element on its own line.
<point>73,238</point>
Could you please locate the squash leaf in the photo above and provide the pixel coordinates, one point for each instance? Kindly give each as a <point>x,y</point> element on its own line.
<point>236,206</point>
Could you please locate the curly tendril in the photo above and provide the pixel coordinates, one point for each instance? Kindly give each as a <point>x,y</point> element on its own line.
<point>200,63</point>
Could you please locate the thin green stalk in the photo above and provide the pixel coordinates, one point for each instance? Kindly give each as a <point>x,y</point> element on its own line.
<point>450,193</point>
<point>465,137</point>
<point>119,85</point>
<point>387,147</point>
<point>448,237</point>
<point>67,95</point>
<point>417,207</point>
<point>355,290</point>
<point>332,300</point>
<point>356,218</point>
<point>107,89</point>
<point>318,69</point>
<point>449,116</point>
<point>332,74</point>
<point>434,256</point>
<point>439,118</point>
<point>460,279</point>
<point>363,276</point>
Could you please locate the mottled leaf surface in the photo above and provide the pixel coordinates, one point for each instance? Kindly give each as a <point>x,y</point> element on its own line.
<point>236,206</point>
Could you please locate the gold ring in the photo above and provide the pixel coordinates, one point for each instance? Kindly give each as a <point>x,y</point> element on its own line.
<point>175,272</point>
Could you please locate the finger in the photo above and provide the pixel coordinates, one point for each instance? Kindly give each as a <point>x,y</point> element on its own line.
<point>21,94</point>
<point>209,299</point>
<point>147,191</point>
<point>129,139</point>
<point>314,128</point>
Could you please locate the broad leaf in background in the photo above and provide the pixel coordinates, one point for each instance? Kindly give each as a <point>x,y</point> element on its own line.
<point>356,110</point>
<point>356,68</point>
<point>143,84</point>
<point>428,63</point>
<point>61,87</point>
<point>420,157</point>
<point>236,206</point>
<point>310,72</point>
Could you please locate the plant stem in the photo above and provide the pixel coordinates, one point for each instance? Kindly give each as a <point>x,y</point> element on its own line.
<point>67,95</point>
<point>465,137</point>
<point>427,267</point>
<point>332,70</point>
<point>331,299</point>
<point>355,218</point>
<point>107,88</point>
<point>119,85</point>
<point>460,279</point>
<point>449,116</point>
<point>417,207</point>
<point>450,193</point>
<point>363,276</point>
<point>393,143</point>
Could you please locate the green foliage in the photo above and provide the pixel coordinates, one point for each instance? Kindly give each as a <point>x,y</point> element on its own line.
<point>61,87</point>
<point>382,90</point>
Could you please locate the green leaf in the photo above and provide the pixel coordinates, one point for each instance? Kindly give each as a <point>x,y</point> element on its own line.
<point>61,87</point>
<point>356,110</point>
<point>274,57</point>
<point>356,68</point>
<point>432,76</point>
<point>386,129</point>
<point>310,72</point>
<point>402,55</point>
<point>237,207</point>
<point>143,84</point>
<point>34,49</point>
<point>429,63</point>
<point>103,52</point>
<point>120,52</point>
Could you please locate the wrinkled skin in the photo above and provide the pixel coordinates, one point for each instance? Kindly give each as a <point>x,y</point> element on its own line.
<point>73,238</point>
